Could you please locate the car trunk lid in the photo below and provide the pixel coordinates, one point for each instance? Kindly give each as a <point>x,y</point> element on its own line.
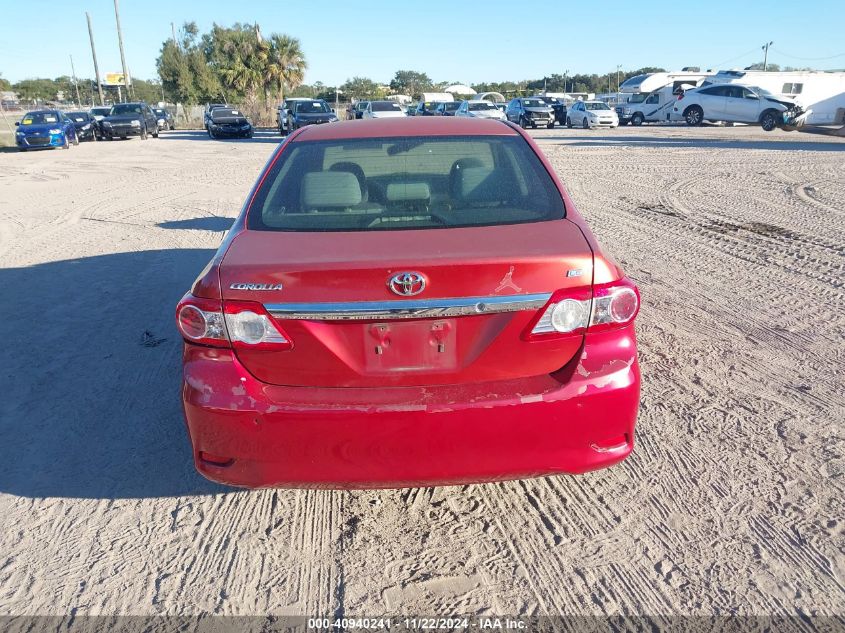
<point>331,294</point>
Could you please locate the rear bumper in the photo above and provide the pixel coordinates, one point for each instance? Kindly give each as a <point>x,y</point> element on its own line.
<point>258,435</point>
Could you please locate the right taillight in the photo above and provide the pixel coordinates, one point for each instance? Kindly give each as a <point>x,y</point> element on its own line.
<point>571,312</point>
<point>614,305</point>
<point>241,324</point>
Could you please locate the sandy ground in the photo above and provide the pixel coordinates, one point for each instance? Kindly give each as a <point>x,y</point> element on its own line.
<point>733,502</point>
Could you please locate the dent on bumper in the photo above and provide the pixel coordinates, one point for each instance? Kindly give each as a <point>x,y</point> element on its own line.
<point>580,419</point>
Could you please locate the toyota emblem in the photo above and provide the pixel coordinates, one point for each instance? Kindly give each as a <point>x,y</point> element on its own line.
<point>407,284</point>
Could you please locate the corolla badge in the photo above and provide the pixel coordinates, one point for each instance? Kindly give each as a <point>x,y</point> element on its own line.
<point>245,286</point>
<point>406,284</point>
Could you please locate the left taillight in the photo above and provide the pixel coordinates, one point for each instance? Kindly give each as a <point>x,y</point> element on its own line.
<point>571,312</point>
<point>201,321</point>
<point>240,324</point>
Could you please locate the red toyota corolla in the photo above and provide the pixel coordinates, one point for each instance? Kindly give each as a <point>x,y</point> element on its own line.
<point>408,302</point>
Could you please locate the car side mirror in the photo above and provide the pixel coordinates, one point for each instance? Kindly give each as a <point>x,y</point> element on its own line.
<point>17,123</point>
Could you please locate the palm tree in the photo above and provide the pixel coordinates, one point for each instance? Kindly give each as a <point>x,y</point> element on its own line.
<point>285,64</point>
<point>244,59</point>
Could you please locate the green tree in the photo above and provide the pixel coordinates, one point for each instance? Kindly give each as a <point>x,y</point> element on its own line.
<point>286,64</point>
<point>184,69</point>
<point>410,82</point>
<point>36,89</point>
<point>361,88</point>
<point>773,68</point>
<point>5,84</point>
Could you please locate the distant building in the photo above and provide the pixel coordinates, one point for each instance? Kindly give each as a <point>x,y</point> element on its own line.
<point>459,89</point>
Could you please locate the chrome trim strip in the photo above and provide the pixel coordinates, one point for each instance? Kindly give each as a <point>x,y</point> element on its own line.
<point>411,309</point>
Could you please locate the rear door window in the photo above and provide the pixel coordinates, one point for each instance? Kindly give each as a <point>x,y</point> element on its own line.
<point>405,183</point>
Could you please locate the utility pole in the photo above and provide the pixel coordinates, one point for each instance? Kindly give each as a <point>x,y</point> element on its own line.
<point>126,79</point>
<point>565,75</point>
<point>75,82</point>
<point>765,48</point>
<point>173,29</point>
<point>94,55</point>
<point>618,66</point>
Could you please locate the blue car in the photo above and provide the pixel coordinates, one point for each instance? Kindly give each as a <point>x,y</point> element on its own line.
<point>45,128</point>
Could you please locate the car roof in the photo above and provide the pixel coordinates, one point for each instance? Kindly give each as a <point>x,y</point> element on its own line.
<point>410,126</point>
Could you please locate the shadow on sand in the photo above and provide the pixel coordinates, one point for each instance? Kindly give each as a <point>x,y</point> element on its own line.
<point>261,136</point>
<point>587,138</point>
<point>214,223</point>
<point>90,377</point>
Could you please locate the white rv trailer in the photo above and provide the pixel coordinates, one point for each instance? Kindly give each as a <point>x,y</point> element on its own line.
<point>652,94</point>
<point>819,91</point>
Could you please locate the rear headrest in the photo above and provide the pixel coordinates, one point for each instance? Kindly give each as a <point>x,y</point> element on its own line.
<point>482,184</point>
<point>455,172</point>
<point>408,192</point>
<point>322,189</point>
<point>356,169</point>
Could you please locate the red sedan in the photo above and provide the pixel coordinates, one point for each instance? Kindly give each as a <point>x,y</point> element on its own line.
<point>408,302</point>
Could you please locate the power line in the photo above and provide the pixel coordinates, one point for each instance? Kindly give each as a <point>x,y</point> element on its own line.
<point>809,59</point>
<point>728,61</point>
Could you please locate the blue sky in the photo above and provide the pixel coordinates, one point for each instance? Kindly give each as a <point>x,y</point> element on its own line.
<point>451,40</point>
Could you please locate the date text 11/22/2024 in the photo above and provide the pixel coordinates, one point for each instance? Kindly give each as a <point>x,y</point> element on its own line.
<point>417,624</point>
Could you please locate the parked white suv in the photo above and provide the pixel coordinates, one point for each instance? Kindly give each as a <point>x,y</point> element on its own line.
<point>733,103</point>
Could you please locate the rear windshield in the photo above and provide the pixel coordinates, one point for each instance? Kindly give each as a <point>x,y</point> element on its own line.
<point>384,106</point>
<point>310,107</point>
<point>225,113</point>
<point>405,183</point>
<point>449,107</point>
<point>481,105</point>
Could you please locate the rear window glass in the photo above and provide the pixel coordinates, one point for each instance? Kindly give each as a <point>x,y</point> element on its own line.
<point>405,183</point>
<point>384,106</point>
<point>310,107</point>
<point>225,113</point>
